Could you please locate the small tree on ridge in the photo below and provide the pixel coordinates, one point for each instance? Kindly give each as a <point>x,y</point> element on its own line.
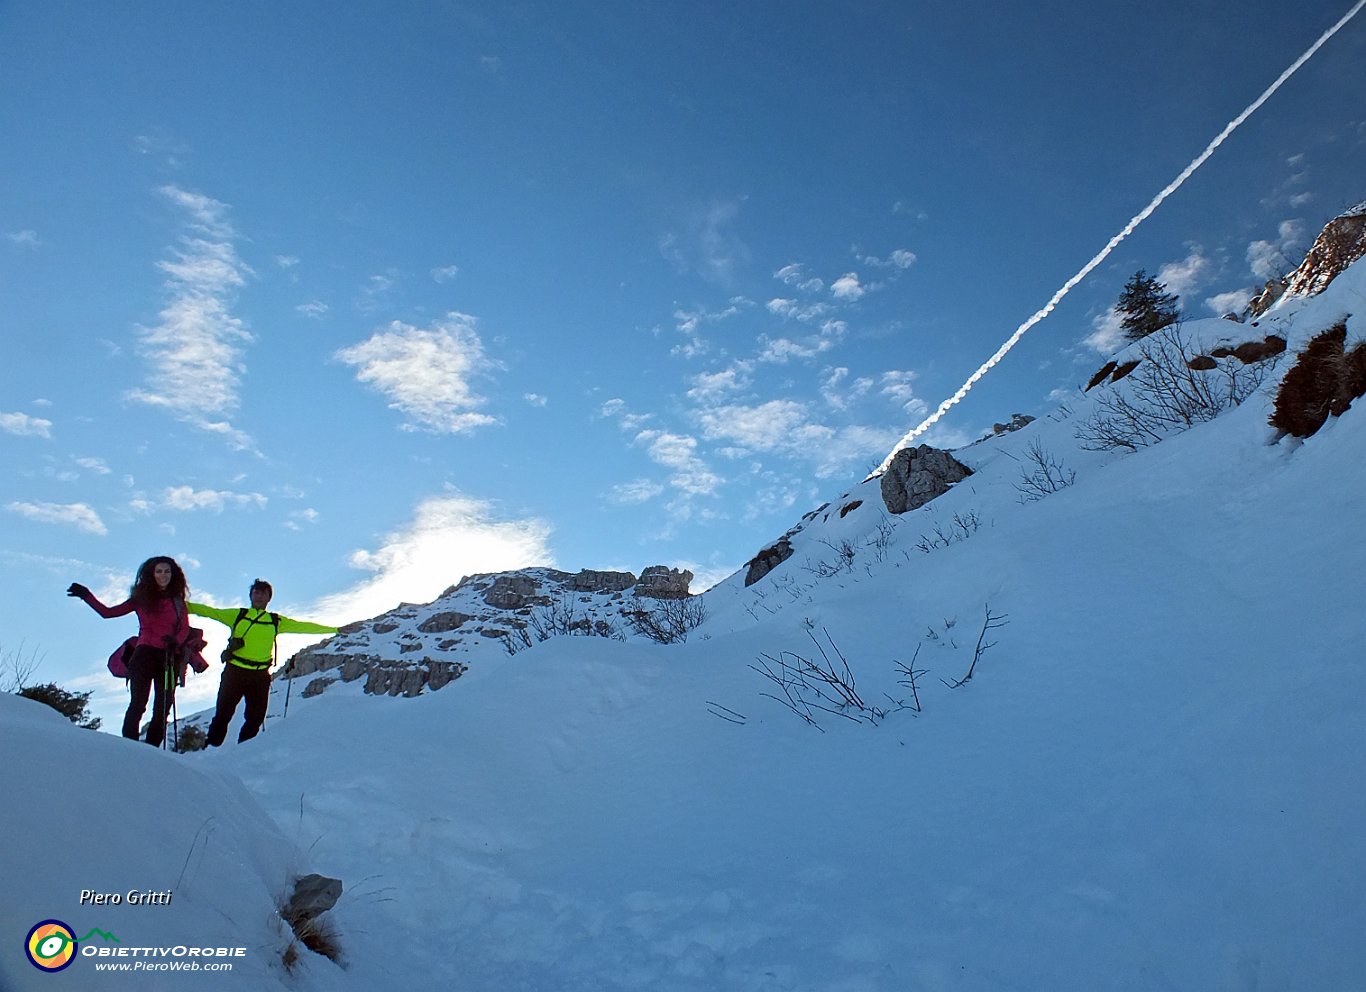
<point>1145,306</point>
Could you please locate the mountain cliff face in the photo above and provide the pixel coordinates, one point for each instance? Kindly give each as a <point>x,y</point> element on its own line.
<point>417,646</point>
<point>1339,244</point>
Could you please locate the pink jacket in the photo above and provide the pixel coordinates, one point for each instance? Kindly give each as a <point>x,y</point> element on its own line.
<point>158,619</point>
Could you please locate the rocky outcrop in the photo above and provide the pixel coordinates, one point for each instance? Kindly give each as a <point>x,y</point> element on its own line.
<point>1266,299</point>
<point>511,592</point>
<point>383,676</point>
<point>662,582</point>
<point>589,580</point>
<point>1017,421</point>
<point>1341,243</point>
<point>918,475</point>
<point>767,560</point>
<point>440,623</point>
<point>415,648</point>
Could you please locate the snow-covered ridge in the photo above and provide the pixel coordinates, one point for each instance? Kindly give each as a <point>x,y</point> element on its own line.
<point>489,615</point>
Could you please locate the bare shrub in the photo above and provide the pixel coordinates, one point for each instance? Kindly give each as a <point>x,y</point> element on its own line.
<point>559,618</point>
<point>992,622</point>
<point>880,541</point>
<point>669,621</point>
<point>809,688</point>
<point>963,526</point>
<point>1166,395</point>
<point>1042,474</point>
<point>16,668</point>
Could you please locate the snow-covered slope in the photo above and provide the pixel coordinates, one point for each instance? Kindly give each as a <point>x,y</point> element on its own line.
<point>186,867</point>
<point>1153,779</point>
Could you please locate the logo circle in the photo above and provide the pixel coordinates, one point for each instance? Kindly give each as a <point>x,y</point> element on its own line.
<point>50,945</point>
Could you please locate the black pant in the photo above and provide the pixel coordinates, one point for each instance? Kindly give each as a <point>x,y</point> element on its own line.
<point>149,673</point>
<point>238,684</point>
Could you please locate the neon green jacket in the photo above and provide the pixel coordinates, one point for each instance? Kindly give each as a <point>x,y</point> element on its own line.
<point>256,630</point>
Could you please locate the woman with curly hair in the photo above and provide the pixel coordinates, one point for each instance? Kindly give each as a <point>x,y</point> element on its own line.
<point>158,598</point>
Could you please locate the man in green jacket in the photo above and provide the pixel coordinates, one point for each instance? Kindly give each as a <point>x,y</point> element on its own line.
<point>247,660</point>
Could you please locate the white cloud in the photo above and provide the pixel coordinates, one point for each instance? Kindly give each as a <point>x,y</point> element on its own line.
<point>297,518</point>
<point>847,287</point>
<point>286,261</point>
<point>784,428</point>
<point>902,258</point>
<point>792,310</point>
<point>1269,259</point>
<point>631,422</point>
<point>449,537</point>
<point>23,425</point>
<point>795,275</point>
<point>1181,278</point>
<point>1235,301</point>
<point>781,350</point>
<point>771,426</point>
<point>708,387</point>
<point>1107,335</point>
<point>26,238</point>
<point>313,308</point>
<point>188,498</point>
<point>445,273</point>
<point>778,351</point>
<point>96,465</point>
<point>691,322</point>
<point>374,293</point>
<point>78,515</point>
<point>897,387</point>
<point>635,492</point>
<point>535,399</point>
<point>427,373</point>
<point>678,452</point>
<point>839,396</point>
<point>710,246</point>
<point>194,353</point>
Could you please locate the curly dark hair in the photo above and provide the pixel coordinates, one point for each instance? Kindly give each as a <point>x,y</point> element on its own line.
<point>145,584</point>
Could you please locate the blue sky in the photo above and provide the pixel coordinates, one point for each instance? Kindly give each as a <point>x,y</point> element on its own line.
<point>362,298</point>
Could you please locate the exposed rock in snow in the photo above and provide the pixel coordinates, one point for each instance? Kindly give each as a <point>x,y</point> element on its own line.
<point>918,475</point>
<point>1341,243</point>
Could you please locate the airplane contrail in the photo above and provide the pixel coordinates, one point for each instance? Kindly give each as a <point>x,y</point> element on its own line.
<point>1138,218</point>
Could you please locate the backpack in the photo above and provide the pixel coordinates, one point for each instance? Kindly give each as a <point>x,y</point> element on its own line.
<point>118,661</point>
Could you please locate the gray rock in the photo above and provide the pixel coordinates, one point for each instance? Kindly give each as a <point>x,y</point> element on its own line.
<point>440,623</point>
<point>313,895</point>
<point>511,592</point>
<point>767,560</point>
<point>590,580</point>
<point>317,686</point>
<point>662,582</point>
<point>918,475</point>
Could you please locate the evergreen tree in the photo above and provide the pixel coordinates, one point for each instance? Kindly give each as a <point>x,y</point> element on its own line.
<point>1145,306</point>
<point>71,705</point>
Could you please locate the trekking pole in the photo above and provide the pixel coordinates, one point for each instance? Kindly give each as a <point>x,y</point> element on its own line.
<point>165,705</point>
<point>289,672</point>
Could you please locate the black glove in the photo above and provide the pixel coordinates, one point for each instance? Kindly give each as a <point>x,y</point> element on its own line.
<point>78,590</point>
